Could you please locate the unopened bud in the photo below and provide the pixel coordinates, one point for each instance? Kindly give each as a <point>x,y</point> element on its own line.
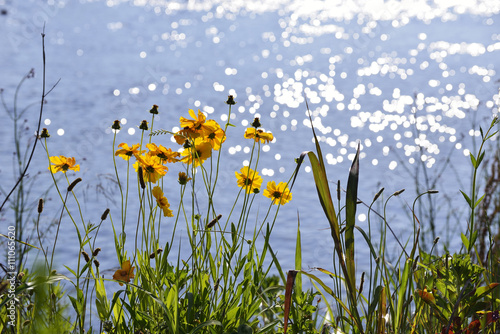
<point>230,100</point>
<point>154,110</point>
<point>45,133</point>
<point>144,125</point>
<point>256,123</point>
<point>116,125</point>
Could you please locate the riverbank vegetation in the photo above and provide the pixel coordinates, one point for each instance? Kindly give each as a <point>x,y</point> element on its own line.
<point>225,277</point>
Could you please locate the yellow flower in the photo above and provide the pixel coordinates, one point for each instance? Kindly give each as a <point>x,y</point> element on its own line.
<point>185,134</point>
<point>183,178</point>
<point>125,274</point>
<point>197,153</point>
<point>162,202</point>
<point>152,169</point>
<point>280,194</point>
<point>165,154</point>
<point>196,123</point>
<point>258,134</point>
<point>248,179</point>
<point>126,152</point>
<point>62,164</point>
<point>214,134</point>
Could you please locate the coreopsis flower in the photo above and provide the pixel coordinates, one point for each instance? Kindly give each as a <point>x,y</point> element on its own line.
<point>165,154</point>
<point>162,202</point>
<point>280,194</point>
<point>183,178</point>
<point>214,134</point>
<point>258,134</point>
<point>62,164</point>
<point>197,153</point>
<point>152,169</point>
<point>185,134</point>
<point>125,274</point>
<point>248,179</point>
<point>126,152</point>
<point>196,123</point>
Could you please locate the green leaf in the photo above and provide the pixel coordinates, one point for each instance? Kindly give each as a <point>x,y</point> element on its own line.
<point>298,258</point>
<point>480,158</point>
<point>467,198</point>
<point>473,160</point>
<point>206,324</point>
<point>465,241</point>
<point>479,201</point>
<point>351,201</point>
<point>101,302</point>
<point>244,329</point>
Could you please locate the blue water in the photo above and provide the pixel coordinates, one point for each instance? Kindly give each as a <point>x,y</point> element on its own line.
<point>411,81</point>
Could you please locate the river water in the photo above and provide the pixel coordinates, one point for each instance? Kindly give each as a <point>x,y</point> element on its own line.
<point>410,81</point>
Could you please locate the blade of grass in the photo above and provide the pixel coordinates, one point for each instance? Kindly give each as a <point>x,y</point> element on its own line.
<point>351,200</point>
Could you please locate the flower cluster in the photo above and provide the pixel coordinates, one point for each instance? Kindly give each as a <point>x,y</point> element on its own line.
<point>199,137</point>
<point>251,181</point>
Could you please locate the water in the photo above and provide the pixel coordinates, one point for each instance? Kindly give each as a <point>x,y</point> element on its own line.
<point>410,81</point>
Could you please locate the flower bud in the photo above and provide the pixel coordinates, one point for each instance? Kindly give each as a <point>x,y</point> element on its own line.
<point>144,125</point>
<point>154,110</point>
<point>45,133</point>
<point>256,123</point>
<point>116,125</point>
<point>230,100</point>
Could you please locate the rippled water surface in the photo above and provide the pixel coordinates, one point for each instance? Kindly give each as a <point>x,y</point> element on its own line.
<point>410,81</point>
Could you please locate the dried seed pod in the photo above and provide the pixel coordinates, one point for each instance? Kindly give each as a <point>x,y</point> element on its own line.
<point>96,251</point>
<point>86,256</point>
<point>105,214</point>
<point>40,205</point>
<point>74,183</point>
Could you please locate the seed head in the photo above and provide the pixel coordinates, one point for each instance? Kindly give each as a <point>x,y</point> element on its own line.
<point>40,205</point>
<point>74,183</point>
<point>86,256</point>
<point>116,125</point>
<point>45,133</point>
<point>154,110</point>
<point>230,100</point>
<point>144,125</point>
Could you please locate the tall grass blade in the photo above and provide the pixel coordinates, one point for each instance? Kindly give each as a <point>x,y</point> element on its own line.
<point>351,200</point>
<point>298,258</point>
